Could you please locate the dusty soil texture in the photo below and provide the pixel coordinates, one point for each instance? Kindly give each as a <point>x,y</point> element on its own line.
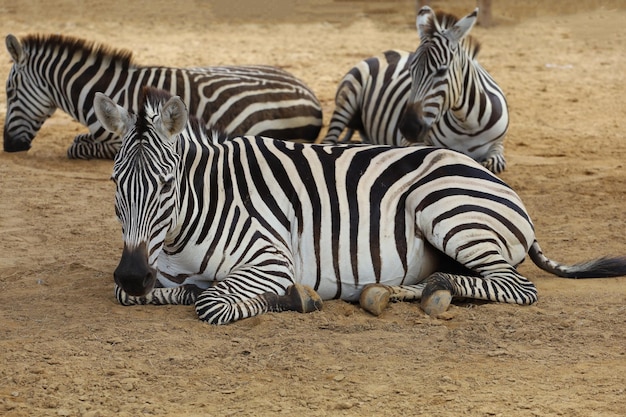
<point>68,349</point>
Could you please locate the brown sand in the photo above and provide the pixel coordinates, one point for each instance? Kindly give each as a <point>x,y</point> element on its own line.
<point>67,348</point>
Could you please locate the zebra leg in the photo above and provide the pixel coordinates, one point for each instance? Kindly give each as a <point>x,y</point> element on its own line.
<point>183,295</point>
<point>494,160</point>
<point>505,286</point>
<point>375,297</point>
<point>86,147</point>
<point>335,127</point>
<point>219,305</point>
<point>299,298</point>
<point>347,111</point>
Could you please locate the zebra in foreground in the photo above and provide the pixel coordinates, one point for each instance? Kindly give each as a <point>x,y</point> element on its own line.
<point>52,71</point>
<point>251,224</point>
<point>438,95</point>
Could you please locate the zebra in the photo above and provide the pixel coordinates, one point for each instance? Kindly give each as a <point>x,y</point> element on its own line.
<point>55,71</point>
<point>438,95</point>
<point>245,225</point>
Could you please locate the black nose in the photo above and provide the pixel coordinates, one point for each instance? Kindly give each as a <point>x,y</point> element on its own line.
<point>133,274</point>
<point>411,126</point>
<point>15,145</point>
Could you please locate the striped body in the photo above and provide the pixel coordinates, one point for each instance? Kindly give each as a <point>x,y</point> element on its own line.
<point>60,72</point>
<point>231,224</point>
<point>438,95</point>
<point>338,219</point>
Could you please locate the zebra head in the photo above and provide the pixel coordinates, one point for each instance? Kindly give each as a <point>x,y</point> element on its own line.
<point>436,71</point>
<point>28,99</point>
<point>145,172</point>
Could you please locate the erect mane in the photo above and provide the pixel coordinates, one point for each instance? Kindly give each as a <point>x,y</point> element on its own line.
<point>77,45</point>
<point>446,21</point>
<point>153,98</point>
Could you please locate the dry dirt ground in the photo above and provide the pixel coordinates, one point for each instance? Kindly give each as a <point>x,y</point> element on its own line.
<point>67,348</point>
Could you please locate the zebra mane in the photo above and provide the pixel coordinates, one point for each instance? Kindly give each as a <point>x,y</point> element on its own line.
<point>153,98</point>
<point>446,21</point>
<point>52,41</point>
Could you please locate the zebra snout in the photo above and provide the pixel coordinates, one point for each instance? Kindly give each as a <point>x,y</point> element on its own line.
<point>12,144</point>
<point>412,126</point>
<point>133,274</point>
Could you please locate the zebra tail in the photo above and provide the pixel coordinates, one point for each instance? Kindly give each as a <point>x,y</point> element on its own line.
<point>604,267</point>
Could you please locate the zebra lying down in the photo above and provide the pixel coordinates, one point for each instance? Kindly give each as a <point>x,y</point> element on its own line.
<point>53,71</point>
<point>251,224</point>
<point>437,95</point>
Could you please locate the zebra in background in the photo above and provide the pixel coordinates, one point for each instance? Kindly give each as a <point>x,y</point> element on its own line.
<point>438,95</point>
<point>53,71</point>
<point>251,224</point>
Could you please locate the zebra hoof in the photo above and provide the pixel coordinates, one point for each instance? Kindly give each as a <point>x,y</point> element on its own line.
<point>375,298</point>
<point>304,299</point>
<point>436,303</point>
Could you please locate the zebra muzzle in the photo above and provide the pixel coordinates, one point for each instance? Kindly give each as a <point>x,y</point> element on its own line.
<point>412,126</point>
<point>12,144</point>
<point>133,274</point>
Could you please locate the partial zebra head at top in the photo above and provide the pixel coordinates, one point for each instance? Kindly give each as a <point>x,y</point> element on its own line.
<point>436,69</point>
<point>453,101</point>
<point>31,96</point>
<point>144,172</point>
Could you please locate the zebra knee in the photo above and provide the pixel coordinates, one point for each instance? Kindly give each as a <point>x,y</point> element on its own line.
<point>215,309</point>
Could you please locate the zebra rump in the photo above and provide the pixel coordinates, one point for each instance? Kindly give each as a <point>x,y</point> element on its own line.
<point>55,71</point>
<point>248,225</point>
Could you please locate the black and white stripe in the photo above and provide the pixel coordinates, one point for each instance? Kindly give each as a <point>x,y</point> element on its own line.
<point>51,72</point>
<point>239,222</point>
<point>438,95</point>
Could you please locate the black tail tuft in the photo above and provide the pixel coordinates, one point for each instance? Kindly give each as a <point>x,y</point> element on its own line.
<point>605,267</point>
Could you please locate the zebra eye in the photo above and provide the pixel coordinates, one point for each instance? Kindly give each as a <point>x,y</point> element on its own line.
<point>441,71</point>
<point>166,183</point>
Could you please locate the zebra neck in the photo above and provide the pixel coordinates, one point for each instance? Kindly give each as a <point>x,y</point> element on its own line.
<point>91,73</point>
<point>476,99</point>
<point>196,176</point>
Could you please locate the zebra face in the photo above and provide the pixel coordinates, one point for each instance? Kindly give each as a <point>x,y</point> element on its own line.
<point>145,173</point>
<point>28,101</point>
<point>436,71</point>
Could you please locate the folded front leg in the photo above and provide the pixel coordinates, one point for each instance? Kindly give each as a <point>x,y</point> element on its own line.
<point>222,304</point>
<point>86,147</point>
<point>183,295</point>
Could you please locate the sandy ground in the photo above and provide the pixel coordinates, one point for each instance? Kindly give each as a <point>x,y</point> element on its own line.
<point>67,348</point>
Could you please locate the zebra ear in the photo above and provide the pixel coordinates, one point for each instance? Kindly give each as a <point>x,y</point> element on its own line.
<point>462,27</point>
<point>15,49</point>
<point>174,116</point>
<point>113,117</point>
<point>426,23</point>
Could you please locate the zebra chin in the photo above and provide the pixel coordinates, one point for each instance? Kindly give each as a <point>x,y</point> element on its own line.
<point>133,274</point>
